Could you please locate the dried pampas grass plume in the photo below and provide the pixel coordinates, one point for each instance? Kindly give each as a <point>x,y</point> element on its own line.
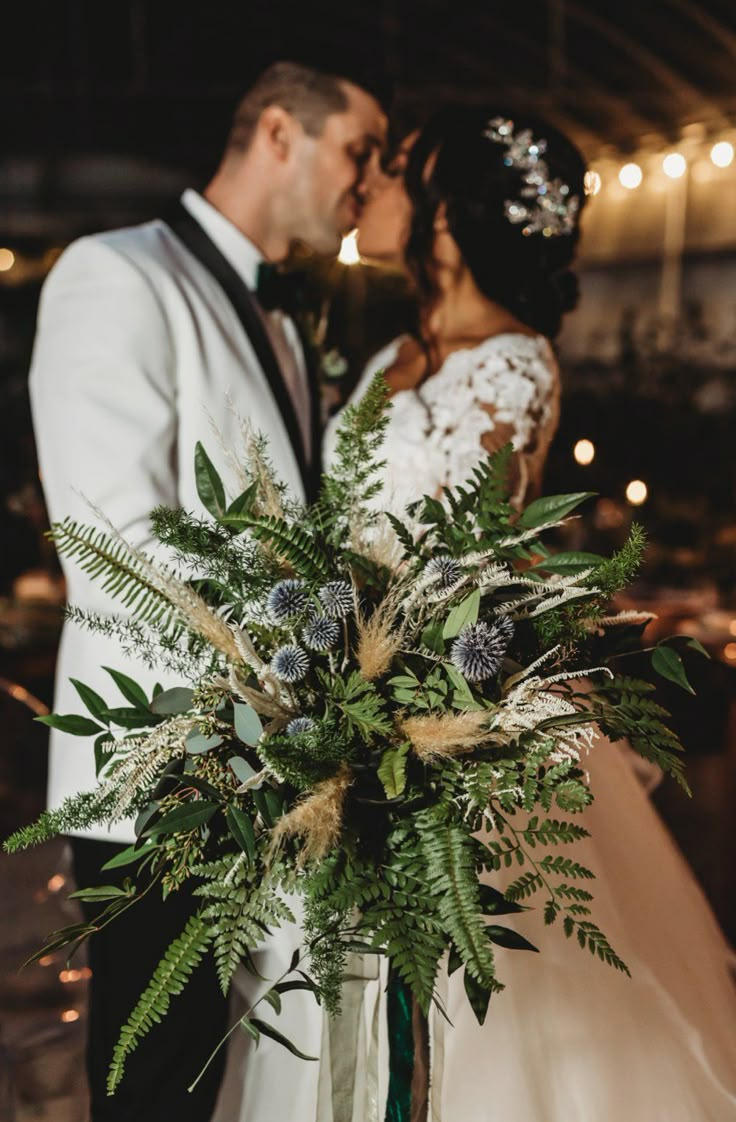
<point>377,642</point>
<point>438,738</point>
<point>317,819</point>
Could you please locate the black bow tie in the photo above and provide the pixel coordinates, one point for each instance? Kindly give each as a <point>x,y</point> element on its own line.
<point>276,289</point>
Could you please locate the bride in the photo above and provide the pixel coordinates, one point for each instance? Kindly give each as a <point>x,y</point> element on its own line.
<point>484,213</point>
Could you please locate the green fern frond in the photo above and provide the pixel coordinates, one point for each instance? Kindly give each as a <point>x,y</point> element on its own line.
<point>169,979</point>
<point>107,559</point>
<point>292,543</point>
<point>452,877</point>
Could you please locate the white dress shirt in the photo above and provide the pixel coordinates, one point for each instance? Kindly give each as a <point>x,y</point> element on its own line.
<point>245,257</point>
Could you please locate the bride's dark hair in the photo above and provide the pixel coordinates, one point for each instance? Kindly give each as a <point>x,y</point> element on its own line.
<point>455,163</point>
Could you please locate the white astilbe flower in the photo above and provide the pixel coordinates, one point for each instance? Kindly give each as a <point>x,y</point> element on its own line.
<point>531,703</point>
<point>144,756</point>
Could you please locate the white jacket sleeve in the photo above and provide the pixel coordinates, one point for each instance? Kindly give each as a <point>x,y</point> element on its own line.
<point>103,395</point>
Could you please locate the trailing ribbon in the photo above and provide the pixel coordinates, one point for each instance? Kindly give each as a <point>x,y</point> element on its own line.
<point>401,1050</point>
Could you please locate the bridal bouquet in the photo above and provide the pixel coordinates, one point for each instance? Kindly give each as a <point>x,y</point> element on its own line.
<point>379,714</point>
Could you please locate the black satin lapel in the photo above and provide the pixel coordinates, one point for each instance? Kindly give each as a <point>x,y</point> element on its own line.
<point>188,230</point>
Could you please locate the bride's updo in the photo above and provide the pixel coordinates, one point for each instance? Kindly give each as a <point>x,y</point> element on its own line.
<point>513,189</point>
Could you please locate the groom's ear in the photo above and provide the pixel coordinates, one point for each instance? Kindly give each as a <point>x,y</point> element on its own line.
<point>277,130</point>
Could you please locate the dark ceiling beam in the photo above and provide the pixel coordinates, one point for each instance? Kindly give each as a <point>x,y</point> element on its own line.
<point>715,27</point>
<point>696,101</point>
<point>613,105</point>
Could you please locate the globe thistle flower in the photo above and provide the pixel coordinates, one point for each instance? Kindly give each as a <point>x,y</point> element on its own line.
<point>289,664</point>
<point>336,598</point>
<point>447,570</point>
<point>299,725</point>
<point>479,649</point>
<point>286,599</point>
<point>321,633</point>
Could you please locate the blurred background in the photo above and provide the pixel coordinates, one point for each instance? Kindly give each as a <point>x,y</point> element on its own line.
<point>107,111</point>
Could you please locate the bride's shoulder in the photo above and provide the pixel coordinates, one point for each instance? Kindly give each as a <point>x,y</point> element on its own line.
<point>504,358</point>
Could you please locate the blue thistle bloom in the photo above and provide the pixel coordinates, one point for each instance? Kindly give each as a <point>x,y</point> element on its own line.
<point>300,724</point>
<point>289,664</point>
<point>336,598</point>
<point>479,649</point>
<point>321,633</point>
<point>447,570</point>
<point>286,599</point>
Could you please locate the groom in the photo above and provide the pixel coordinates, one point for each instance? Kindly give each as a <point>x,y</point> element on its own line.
<point>142,335</point>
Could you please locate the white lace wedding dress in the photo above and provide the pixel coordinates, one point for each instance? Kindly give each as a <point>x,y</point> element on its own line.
<point>570,1039</point>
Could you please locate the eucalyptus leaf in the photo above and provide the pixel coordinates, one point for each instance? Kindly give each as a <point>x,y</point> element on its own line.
<point>696,645</point>
<point>196,742</point>
<point>174,701</point>
<point>248,725</point>
<point>241,769</point>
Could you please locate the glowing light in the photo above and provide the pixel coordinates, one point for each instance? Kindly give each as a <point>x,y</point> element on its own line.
<point>732,627</point>
<point>7,260</point>
<point>674,165</point>
<point>592,183</point>
<point>630,176</point>
<point>67,976</point>
<point>69,1015</point>
<point>722,154</point>
<point>349,253</point>
<point>584,452</point>
<point>730,651</point>
<point>56,883</point>
<point>47,960</point>
<point>637,492</point>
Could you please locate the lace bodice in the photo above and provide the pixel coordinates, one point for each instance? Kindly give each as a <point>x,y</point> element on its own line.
<point>507,388</point>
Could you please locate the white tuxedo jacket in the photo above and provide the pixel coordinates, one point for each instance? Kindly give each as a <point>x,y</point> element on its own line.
<point>136,348</point>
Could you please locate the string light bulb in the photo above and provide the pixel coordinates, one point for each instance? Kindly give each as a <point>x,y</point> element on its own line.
<point>584,452</point>
<point>349,253</point>
<point>7,260</point>
<point>674,165</point>
<point>630,176</point>
<point>637,492</point>
<point>722,154</point>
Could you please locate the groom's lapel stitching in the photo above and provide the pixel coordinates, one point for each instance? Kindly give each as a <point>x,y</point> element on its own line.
<point>188,230</point>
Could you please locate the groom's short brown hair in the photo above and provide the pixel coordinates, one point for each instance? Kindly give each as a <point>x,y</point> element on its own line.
<point>309,95</point>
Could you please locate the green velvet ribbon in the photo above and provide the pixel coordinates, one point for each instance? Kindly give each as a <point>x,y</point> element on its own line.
<point>401,1050</point>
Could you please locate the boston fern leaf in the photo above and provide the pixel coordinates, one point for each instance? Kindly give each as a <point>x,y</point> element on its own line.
<point>104,557</point>
<point>291,543</point>
<point>169,979</point>
<point>452,878</point>
<point>239,910</point>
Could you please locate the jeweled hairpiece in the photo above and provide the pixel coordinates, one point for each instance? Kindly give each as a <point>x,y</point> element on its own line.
<point>545,205</point>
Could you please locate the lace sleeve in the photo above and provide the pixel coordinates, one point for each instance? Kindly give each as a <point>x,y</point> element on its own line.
<point>506,390</point>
